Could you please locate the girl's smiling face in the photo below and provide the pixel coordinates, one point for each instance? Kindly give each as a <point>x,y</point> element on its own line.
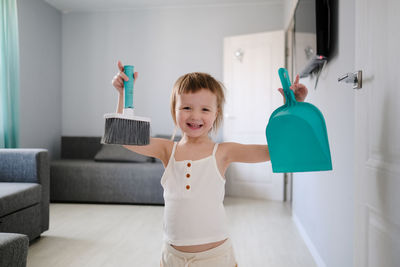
<point>196,112</point>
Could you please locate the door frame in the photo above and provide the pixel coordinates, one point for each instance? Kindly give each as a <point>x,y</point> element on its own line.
<point>289,65</point>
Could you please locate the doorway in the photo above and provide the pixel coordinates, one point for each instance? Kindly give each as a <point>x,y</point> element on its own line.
<point>251,64</point>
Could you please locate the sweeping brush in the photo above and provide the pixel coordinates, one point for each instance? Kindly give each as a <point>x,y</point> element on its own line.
<point>126,128</point>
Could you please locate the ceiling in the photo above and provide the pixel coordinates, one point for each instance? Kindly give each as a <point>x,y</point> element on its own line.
<point>107,5</point>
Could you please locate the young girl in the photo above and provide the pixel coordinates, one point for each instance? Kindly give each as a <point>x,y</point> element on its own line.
<point>195,227</point>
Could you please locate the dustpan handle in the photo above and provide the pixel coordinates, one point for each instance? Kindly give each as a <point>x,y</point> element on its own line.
<point>289,95</point>
<point>128,86</point>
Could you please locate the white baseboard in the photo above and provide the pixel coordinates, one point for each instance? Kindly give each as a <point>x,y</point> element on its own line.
<point>314,252</point>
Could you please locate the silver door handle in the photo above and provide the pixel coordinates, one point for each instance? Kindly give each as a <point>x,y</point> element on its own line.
<point>355,78</point>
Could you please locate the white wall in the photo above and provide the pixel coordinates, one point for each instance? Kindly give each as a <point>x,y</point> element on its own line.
<point>40,72</point>
<point>323,201</point>
<point>289,7</point>
<point>162,43</point>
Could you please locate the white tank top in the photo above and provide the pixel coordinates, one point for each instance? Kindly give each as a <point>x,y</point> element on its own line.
<point>194,191</point>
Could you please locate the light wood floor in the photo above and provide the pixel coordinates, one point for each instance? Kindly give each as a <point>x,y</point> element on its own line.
<point>92,235</point>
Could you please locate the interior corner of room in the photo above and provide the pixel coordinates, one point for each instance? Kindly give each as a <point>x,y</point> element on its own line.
<point>345,217</point>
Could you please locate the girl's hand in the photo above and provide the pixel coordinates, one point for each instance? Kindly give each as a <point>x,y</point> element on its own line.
<point>300,90</point>
<point>118,80</point>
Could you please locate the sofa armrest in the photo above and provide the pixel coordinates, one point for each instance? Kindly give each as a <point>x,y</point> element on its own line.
<point>28,165</point>
<point>22,165</point>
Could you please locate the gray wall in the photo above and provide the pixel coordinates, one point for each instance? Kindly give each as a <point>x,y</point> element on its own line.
<point>162,43</point>
<point>323,201</point>
<point>40,72</point>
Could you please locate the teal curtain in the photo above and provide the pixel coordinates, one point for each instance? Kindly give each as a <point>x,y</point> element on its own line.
<point>9,75</point>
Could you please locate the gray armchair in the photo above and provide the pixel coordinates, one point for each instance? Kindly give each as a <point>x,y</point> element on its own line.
<point>24,191</point>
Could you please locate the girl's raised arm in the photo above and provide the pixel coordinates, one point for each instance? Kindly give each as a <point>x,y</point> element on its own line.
<point>235,152</point>
<point>158,148</point>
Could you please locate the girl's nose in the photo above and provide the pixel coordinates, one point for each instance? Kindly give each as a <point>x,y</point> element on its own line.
<point>195,115</point>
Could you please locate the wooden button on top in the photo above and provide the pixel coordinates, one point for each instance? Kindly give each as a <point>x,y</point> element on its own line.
<point>189,164</point>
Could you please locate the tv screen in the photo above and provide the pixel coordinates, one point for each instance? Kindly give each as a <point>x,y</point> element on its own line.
<point>311,35</point>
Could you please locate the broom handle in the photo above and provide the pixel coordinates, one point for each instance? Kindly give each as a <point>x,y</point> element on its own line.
<point>128,87</point>
<point>289,95</point>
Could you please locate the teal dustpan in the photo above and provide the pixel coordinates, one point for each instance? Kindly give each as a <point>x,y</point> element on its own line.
<point>297,136</point>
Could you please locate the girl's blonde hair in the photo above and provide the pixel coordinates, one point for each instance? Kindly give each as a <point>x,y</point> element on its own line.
<point>194,82</point>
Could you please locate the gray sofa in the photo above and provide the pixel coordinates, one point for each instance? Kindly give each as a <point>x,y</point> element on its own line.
<point>13,250</point>
<point>24,191</point>
<point>90,172</point>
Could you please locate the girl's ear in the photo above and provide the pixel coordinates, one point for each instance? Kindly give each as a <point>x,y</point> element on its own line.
<point>219,110</point>
<point>215,119</point>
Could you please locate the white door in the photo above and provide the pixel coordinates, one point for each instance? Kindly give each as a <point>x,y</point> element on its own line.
<point>251,64</point>
<point>377,184</point>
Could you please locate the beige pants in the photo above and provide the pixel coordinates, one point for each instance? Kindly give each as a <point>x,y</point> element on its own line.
<point>221,256</point>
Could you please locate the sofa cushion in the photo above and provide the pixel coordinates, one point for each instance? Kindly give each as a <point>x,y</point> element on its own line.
<point>79,147</point>
<point>117,153</point>
<point>106,182</point>
<point>16,196</point>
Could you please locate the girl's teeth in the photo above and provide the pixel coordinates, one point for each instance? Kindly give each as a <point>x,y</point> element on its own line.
<point>194,125</point>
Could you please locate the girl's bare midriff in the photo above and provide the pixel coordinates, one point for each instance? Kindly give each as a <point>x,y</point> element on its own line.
<point>199,248</point>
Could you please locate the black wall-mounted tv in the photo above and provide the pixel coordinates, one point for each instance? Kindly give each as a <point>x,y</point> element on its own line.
<point>312,35</point>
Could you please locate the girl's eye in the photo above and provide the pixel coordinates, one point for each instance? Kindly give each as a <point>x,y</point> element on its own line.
<point>206,109</point>
<point>186,108</point>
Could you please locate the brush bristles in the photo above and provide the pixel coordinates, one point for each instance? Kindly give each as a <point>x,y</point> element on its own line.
<point>126,132</point>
